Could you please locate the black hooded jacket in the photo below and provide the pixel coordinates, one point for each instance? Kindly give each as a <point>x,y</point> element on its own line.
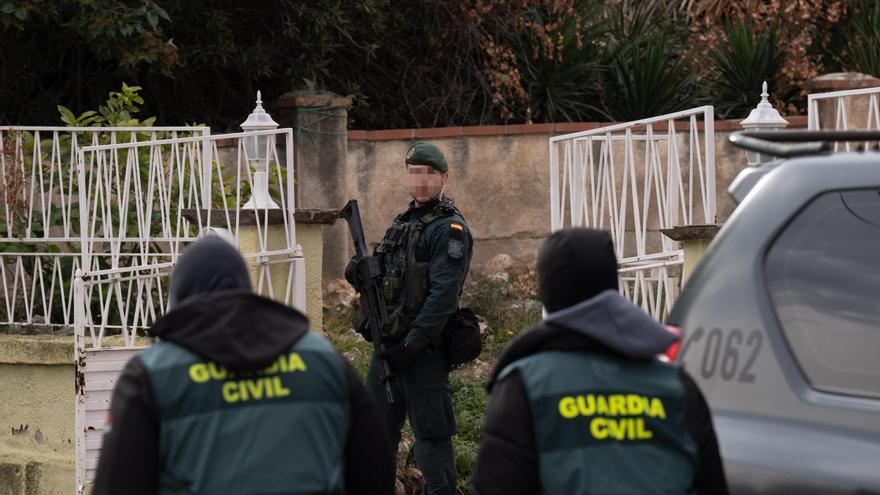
<point>215,315</point>
<point>507,461</point>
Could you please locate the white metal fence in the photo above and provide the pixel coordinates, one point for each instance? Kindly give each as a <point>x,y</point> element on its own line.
<point>142,202</point>
<point>40,232</point>
<point>633,179</point>
<point>844,110</point>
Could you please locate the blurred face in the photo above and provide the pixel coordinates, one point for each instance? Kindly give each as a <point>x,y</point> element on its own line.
<point>423,182</point>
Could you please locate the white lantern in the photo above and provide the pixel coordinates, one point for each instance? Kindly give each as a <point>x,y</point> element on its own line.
<point>762,118</point>
<point>258,150</point>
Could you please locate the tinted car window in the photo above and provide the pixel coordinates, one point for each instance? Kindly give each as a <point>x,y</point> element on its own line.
<point>823,274</point>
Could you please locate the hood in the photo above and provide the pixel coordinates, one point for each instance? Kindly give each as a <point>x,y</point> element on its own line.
<point>236,329</point>
<point>616,323</point>
<point>574,265</point>
<point>607,322</point>
<point>208,265</point>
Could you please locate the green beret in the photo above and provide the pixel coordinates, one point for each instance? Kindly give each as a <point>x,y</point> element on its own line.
<point>425,153</point>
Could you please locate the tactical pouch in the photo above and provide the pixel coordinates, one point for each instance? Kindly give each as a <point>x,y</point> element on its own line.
<point>417,281</point>
<point>398,323</point>
<point>391,286</point>
<point>463,340</point>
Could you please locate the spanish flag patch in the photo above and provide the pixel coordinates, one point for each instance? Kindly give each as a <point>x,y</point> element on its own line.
<point>456,241</point>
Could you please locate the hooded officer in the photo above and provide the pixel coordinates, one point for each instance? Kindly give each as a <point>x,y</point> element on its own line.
<point>580,403</point>
<point>238,396</point>
<point>425,256</point>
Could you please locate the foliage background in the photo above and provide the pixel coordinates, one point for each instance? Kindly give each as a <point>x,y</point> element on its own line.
<point>424,63</point>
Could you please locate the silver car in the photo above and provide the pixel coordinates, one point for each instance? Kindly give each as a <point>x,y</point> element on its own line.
<point>781,321</point>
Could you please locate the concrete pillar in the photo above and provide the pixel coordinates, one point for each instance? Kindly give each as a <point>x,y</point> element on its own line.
<point>694,241</point>
<point>271,271</point>
<point>856,107</point>
<point>320,122</point>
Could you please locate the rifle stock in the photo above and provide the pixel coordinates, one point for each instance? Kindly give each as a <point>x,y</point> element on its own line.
<point>371,296</point>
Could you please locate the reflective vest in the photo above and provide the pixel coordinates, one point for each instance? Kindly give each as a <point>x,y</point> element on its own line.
<point>279,430</point>
<point>606,425</point>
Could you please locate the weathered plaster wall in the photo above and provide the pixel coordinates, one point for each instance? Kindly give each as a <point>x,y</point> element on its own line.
<point>36,390</point>
<point>499,182</point>
<point>309,236</point>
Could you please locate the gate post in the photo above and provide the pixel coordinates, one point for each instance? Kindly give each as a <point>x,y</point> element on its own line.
<point>694,241</point>
<point>320,121</point>
<point>79,438</point>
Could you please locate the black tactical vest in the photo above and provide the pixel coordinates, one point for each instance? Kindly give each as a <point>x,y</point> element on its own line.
<point>406,262</point>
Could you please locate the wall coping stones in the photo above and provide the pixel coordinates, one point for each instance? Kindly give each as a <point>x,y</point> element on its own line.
<point>841,81</point>
<point>692,232</point>
<point>795,121</point>
<point>274,216</point>
<point>36,349</point>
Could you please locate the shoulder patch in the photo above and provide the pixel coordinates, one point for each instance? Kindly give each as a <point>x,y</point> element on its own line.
<point>455,249</point>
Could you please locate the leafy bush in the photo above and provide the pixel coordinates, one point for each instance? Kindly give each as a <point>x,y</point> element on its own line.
<point>804,29</point>
<point>747,59</point>
<point>645,80</point>
<point>117,111</point>
<point>862,37</point>
<point>567,86</point>
<point>646,74</point>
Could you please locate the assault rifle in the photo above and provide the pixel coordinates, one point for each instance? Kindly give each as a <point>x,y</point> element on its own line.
<point>369,274</point>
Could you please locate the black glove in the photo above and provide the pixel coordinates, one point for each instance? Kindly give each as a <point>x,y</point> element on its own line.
<point>362,266</point>
<point>351,272</point>
<point>399,356</point>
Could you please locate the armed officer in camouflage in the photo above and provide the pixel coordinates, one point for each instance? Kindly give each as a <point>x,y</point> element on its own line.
<point>425,255</point>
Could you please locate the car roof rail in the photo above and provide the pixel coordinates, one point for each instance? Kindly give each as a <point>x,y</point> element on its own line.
<point>808,142</point>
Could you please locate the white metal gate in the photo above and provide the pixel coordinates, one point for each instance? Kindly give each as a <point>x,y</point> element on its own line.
<point>40,237</point>
<point>143,203</point>
<point>845,110</point>
<point>633,179</point>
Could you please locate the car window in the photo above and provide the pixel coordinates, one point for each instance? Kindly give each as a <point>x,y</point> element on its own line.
<point>823,275</point>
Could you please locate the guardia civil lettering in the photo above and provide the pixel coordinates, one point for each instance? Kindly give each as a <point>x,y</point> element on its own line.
<point>242,387</point>
<point>614,416</point>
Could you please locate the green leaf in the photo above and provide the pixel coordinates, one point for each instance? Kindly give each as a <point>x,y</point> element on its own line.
<point>153,19</point>
<point>159,10</point>
<point>21,14</point>
<point>8,8</point>
<point>87,122</point>
<point>67,116</point>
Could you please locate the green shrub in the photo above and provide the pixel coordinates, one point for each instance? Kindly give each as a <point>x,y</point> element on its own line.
<point>645,72</point>
<point>646,80</point>
<point>566,87</point>
<point>747,59</point>
<point>862,37</point>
